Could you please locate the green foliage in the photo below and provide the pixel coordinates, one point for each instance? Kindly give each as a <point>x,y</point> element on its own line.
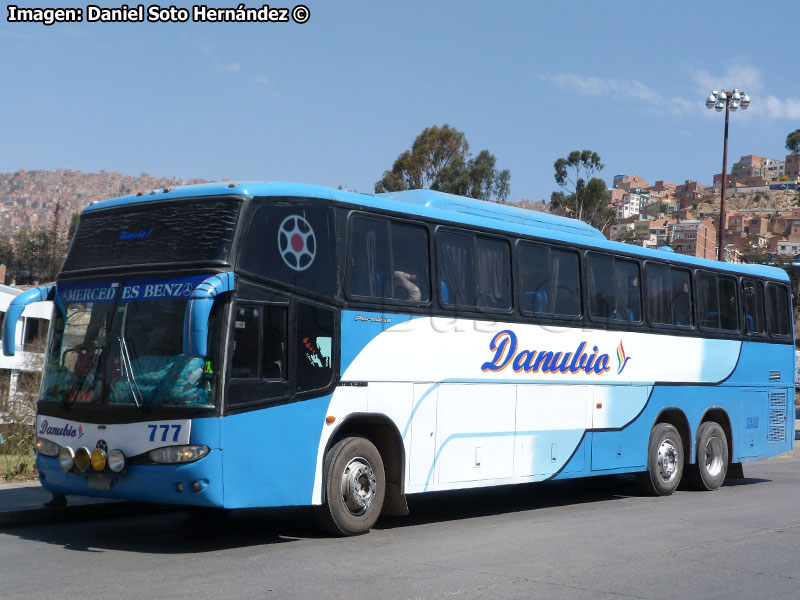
<point>439,159</point>
<point>571,174</point>
<point>592,206</point>
<point>793,142</point>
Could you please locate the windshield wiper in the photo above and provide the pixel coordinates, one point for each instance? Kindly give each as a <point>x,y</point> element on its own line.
<point>127,369</point>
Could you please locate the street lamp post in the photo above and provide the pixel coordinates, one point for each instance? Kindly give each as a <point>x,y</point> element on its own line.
<point>730,101</point>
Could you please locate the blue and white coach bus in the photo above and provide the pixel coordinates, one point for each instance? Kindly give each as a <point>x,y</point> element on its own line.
<point>268,344</point>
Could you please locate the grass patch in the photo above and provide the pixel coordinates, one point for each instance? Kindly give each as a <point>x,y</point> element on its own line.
<point>17,467</point>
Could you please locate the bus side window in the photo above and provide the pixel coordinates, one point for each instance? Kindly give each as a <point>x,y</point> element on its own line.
<point>614,290</point>
<point>753,299</point>
<point>315,328</point>
<point>728,314</point>
<point>681,282</point>
<point>778,310</point>
<point>548,280</point>
<point>259,339</point>
<point>493,276</point>
<point>368,271</point>
<point>707,301</point>
<point>456,268</point>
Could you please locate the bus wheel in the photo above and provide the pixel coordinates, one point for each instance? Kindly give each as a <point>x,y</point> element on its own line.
<point>664,461</point>
<point>711,467</point>
<point>355,486</point>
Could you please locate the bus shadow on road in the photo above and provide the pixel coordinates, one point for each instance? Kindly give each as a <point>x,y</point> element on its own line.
<point>486,502</point>
<point>175,532</point>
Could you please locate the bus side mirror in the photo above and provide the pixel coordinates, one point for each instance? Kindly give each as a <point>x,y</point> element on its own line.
<point>44,293</point>
<point>195,320</point>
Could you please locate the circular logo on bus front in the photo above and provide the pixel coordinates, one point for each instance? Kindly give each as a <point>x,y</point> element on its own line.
<point>297,243</point>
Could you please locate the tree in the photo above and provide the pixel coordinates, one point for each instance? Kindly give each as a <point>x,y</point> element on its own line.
<point>593,204</point>
<point>793,142</point>
<point>439,159</point>
<point>572,172</point>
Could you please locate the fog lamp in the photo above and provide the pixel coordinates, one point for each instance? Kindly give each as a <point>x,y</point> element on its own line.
<point>82,458</point>
<point>116,460</point>
<point>66,458</point>
<point>98,459</point>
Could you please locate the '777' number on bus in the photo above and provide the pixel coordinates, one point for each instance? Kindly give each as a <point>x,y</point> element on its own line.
<point>165,428</point>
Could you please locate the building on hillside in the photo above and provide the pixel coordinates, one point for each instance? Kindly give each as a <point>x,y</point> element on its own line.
<point>664,230</point>
<point>788,248</point>
<point>629,182</point>
<point>629,206</point>
<point>774,170</point>
<point>694,237</point>
<point>665,186</point>
<point>730,182</point>
<point>732,254</point>
<point>747,166</point>
<point>620,230</point>
<point>691,192</point>
<point>22,370</point>
<point>792,168</point>
<point>615,196</point>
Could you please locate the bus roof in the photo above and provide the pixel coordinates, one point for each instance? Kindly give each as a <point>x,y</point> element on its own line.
<point>444,207</point>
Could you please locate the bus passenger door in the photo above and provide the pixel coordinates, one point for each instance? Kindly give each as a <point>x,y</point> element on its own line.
<point>475,432</point>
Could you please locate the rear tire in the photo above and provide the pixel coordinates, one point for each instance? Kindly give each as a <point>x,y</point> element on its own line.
<point>664,461</point>
<point>354,488</point>
<point>711,465</point>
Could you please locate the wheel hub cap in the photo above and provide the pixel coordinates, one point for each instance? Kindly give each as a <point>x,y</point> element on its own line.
<point>358,485</point>
<point>714,456</point>
<point>667,460</point>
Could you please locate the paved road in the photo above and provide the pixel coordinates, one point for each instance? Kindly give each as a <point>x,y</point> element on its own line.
<point>588,539</point>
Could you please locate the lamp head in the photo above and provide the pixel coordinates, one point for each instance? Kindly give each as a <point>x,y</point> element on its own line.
<point>745,102</point>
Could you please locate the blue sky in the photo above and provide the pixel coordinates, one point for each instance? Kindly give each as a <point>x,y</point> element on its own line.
<point>334,101</point>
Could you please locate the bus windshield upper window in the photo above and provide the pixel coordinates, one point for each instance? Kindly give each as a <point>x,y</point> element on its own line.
<point>291,244</point>
<point>197,231</point>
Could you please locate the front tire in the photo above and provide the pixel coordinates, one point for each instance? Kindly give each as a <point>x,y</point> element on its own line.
<point>711,467</point>
<point>664,461</point>
<point>355,487</point>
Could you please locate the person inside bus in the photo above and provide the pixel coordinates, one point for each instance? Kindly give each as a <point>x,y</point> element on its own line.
<point>405,288</point>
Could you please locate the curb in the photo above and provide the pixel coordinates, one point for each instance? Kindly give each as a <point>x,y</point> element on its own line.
<point>81,512</point>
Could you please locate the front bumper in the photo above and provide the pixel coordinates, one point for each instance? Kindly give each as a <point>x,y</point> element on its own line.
<point>167,484</point>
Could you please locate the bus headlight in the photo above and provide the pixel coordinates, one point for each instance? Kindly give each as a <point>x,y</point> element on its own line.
<point>66,458</point>
<point>116,460</point>
<point>46,447</point>
<point>178,454</point>
<point>82,458</point>
<point>98,460</point>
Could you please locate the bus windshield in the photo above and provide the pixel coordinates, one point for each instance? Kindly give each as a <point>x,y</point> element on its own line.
<point>127,351</point>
